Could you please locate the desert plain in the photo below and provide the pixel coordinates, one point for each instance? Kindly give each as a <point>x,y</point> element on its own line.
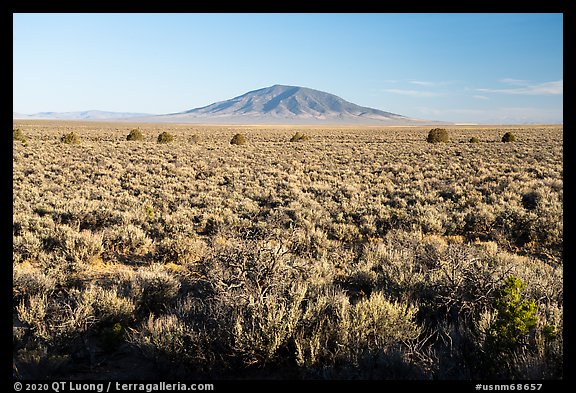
<point>354,253</point>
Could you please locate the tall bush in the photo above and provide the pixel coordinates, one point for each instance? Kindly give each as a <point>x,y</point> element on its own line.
<point>135,135</point>
<point>238,139</point>
<point>18,135</point>
<point>165,137</point>
<point>437,135</point>
<point>71,138</point>
<point>508,137</point>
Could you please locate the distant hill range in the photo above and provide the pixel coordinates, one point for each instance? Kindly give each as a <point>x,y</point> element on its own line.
<point>83,115</point>
<point>276,104</point>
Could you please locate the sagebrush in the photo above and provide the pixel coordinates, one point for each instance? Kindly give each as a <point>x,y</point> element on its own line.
<point>367,254</point>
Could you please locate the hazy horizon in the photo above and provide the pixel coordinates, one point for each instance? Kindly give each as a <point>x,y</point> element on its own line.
<point>462,68</point>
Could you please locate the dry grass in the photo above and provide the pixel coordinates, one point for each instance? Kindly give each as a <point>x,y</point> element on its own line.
<point>361,253</point>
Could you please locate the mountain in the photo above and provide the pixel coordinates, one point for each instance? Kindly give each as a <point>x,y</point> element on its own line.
<point>281,104</point>
<point>83,115</point>
<point>278,104</point>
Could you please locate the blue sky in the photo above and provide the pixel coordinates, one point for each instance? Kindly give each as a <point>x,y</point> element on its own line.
<point>480,68</point>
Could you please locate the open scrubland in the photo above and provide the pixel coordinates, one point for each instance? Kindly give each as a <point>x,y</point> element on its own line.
<point>349,253</point>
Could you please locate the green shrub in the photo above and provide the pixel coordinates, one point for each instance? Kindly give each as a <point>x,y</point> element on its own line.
<point>112,337</point>
<point>71,138</point>
<point>299,137</point>
<point>135,135</point>
<point>508,137</point>
<point>474,140</point>
<point>165,137</point>
<point>437,135</point>
<point>238,139</point>
<point>515,319</point>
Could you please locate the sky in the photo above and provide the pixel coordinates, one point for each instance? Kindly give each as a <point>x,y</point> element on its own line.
<point>466,68</point>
